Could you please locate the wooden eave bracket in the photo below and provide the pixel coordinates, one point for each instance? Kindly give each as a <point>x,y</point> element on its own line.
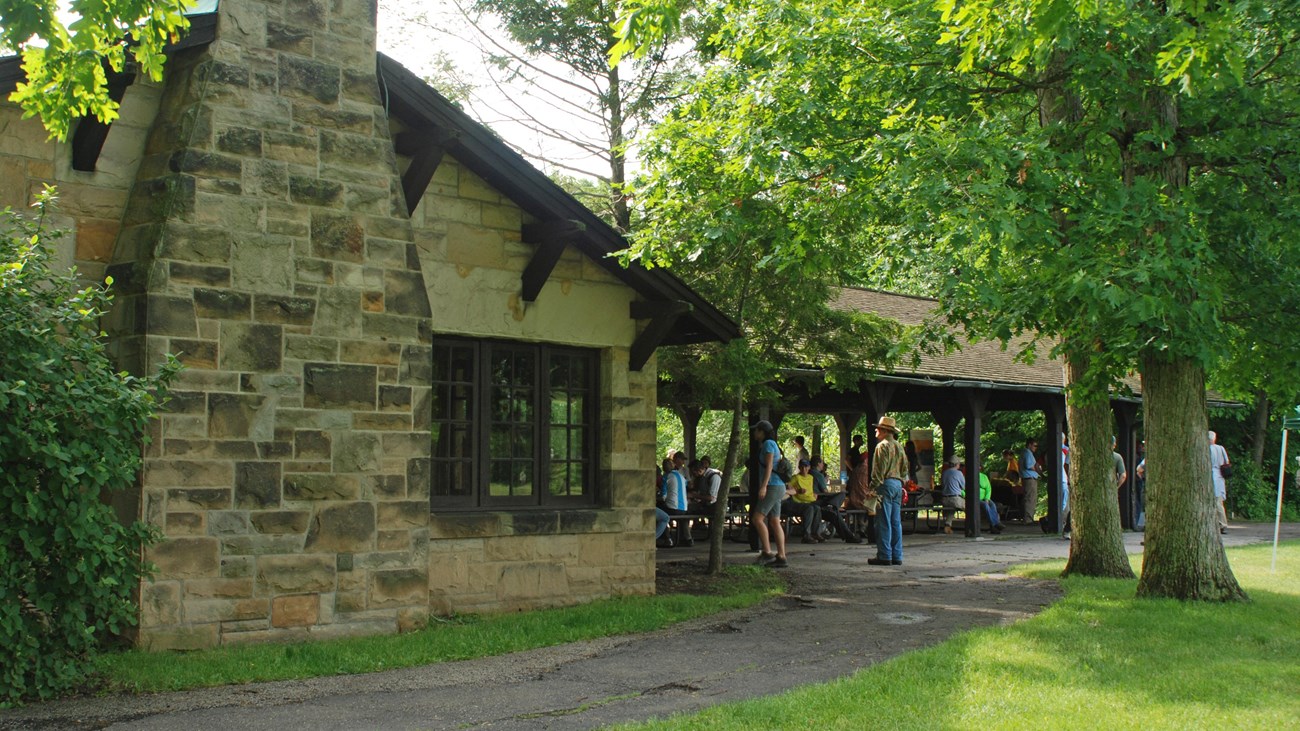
<point>550,237</point>
<point>663,317</point>
<point>426,149</point>
<point>88,139</point>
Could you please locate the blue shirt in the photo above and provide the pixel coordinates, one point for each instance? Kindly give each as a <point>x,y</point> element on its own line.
<point>675,490</point>
<point>953,482</point>
<point>821,485</point>
<point>769,447</point>
<point>1028,465</point>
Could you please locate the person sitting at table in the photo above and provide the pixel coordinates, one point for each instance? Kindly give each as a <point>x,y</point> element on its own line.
<point>986,500</point>
<point>802,501</point>
<point>674,500</point>
<point>829,502</point>
<point>952,492</point>
<point>707,482</point>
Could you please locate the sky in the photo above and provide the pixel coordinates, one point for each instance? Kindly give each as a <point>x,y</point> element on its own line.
<point>423,49</point>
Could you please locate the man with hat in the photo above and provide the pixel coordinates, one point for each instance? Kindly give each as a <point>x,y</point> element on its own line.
<point>953,491</point>
<point>888,470</point>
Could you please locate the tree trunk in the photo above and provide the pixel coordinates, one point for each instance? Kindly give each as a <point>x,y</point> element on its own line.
<point>728,472</point>
<point>617,154</point>
<point>1097,545</point>
<point>1184,556</point>
<point>1259,439</point>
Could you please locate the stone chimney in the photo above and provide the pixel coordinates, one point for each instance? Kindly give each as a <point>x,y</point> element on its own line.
<point>266,243</point>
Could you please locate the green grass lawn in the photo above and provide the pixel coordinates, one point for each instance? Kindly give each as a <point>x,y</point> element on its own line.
<point>1097,659</point>
<point>460,638</point>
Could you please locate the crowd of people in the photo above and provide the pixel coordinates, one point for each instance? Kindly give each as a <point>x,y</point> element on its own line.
<point>798,487</point>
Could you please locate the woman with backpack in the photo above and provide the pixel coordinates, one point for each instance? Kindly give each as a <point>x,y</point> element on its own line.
<point>765,512</point>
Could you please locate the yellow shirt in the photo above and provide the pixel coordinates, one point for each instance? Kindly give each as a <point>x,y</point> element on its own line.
<point>805,482</point>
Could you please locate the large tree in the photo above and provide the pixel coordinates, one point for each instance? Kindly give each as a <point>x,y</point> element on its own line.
<point>1074,166</point>
<point>68,49</point>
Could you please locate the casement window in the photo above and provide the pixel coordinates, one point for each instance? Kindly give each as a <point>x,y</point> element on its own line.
<point>513,425</point>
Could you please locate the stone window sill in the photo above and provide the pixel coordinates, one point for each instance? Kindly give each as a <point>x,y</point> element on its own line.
<point>491,524</point>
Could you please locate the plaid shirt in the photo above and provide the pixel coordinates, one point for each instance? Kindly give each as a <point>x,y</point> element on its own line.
<point>888,461</point>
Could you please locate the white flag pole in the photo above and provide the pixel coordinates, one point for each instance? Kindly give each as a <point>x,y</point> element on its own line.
<point>1277,522</point>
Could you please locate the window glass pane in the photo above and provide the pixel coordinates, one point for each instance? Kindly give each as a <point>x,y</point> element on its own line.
<point>577,404</point>
<point>461,403</point>
<point>462,364</point>
<point>523,442</point>
<point>559,478</point>
<point>559,371</point>
<point>500,443</point>
<point>575,444</point>
<point>559,443</point>
<point>577,470</point>
<point>559,407</point>
<point>522,479</point>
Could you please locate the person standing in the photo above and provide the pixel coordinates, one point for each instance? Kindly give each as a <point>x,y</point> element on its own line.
<point>1218,459</point>
<point>765,514</point>
<point>952,486</point>
<point>800,451</point>
<point>1029,479</point>
<point>888,470</point>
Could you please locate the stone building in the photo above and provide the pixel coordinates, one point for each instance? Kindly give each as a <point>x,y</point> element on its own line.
<point>416,382</point>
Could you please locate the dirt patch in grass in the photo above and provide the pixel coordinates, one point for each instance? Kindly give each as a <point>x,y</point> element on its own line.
<point>690,576</point>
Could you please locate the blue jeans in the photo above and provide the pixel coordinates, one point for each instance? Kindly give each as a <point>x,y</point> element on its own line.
<point>661,522</point>
<point>889,521</point>
<point>992,510</point>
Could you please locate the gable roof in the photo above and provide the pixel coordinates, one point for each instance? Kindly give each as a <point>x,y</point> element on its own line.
<point>420,107</point>
<point>409,99</point>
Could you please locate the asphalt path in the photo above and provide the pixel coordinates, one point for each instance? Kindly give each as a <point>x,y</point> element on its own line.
<point>839,615</point>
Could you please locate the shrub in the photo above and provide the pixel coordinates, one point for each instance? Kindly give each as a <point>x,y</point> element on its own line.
<point>1252,495</point>
<point>71,430</point>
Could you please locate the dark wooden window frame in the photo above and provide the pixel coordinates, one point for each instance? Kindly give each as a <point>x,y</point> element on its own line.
<point>477,419</point>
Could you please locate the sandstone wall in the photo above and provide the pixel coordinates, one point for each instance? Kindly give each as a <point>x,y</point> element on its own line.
<point>468,238</point>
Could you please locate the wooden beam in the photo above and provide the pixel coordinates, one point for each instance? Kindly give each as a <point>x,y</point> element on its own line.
<point>88,140</point>
<point>550,237</point>
<point>413,141</point>
<point>663,317</point>
<point>424,163</point>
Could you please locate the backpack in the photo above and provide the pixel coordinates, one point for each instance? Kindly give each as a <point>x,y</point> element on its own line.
<point>782,469</point>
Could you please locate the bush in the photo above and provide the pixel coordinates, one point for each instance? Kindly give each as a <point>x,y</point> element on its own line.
<point>71,432</point>
<point>1252,495</point>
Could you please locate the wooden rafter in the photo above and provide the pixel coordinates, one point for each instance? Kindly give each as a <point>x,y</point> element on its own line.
<point>550,237</point>
<point>663,316</point>
<point>88,139</point>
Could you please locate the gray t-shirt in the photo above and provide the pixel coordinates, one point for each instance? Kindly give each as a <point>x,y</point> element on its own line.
<point>1119,467</point>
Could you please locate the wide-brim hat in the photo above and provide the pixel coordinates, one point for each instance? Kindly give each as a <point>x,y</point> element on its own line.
<point>887,423</point>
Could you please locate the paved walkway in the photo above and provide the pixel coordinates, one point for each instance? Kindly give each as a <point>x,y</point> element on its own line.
<point>840,615</point>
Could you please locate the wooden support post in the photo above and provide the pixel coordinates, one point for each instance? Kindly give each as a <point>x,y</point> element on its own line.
<point>1126,445</point>
<point>947,417</point>
<point>974,402</point>
<point>1053,461</point>
<point>662,316</point>
<point>878,398</point>
<point>815,449</point>
<point>690,418</point>
<point>846,421</point>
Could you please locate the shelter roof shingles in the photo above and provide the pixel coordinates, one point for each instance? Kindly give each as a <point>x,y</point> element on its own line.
<point>986,361</point>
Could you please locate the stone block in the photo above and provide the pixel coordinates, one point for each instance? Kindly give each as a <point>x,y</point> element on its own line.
<point>337,236</point>
<point>186,558</point>
<point>311,444</point>
<point>393,540</point>
<point>251,347</point>
<point>175,472</point>
<point>195,353</point>
<point>195,244</point>
<point>233,415</point>
<point>315,271</point>
<point>96,239</point>
<point>357,452</point>
<point>295,574</point>
<point>228,523</point>
<point>394,398</point>
<point>399,587</point>
<point>370,352</point>
<point>299,610</point>
<point>284,310</point>
<point>262,544</point>
<point>321,487</point>
<point>305,78</point>
<point>206,164</point>
<point>288,37</point>
<point>240,141</point>
<point>211,276</point>
<point>224,610</point>
<point>171,316</point>
<point>372,301</point>
<point>386,326</point>
<point>311,191</point>
<point>257,484</point>
<point>387,487</point>
<point>191,637</point>
<point>160,603</point>
<point>241,588</point>
<point>330,385</point>
<point>356,151</point>
<point>306,347</point>
<point>185,524</point>
<point>405,293</point>
<point>343,528</point>
<point>382,422</point>
<point>222,304</point>
<point>337,314</point>
<point>263,263</point>
<point>237,567</point>
<point>280,522</point>
<point>403,514</point>
<point>197,498</point>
